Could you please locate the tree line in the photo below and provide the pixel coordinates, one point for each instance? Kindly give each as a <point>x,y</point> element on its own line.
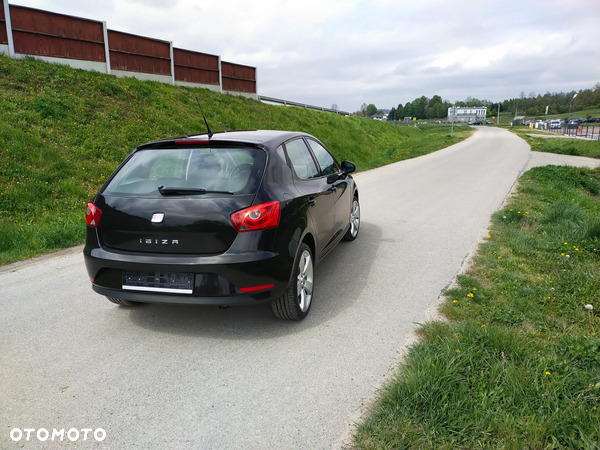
<point>525,105</point>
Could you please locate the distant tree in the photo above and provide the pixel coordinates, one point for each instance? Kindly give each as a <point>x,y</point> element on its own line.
<point>400,112</point>
<point>371,110</point>
<point>363,109</point>
<point>334,107</point>
<point>532,94</point>
<point>522,95</point>
<point>408,110</point>
<point>420,107</point>
<point>596,96</point>
<point>435,99</point>
<point>392,115</point>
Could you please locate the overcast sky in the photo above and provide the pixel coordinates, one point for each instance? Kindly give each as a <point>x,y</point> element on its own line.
<point>349,52</point>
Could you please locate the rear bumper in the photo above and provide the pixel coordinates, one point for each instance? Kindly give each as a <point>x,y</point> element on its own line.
<point>218,280</point>
<point>144,297</point>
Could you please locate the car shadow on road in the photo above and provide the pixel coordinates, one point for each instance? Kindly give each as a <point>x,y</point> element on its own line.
<point>339,280</point>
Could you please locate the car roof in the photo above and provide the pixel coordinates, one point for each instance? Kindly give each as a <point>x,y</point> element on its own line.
<point>267,138</point>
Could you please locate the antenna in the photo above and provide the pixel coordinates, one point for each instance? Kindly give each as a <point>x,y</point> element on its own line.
<point>210,133</point>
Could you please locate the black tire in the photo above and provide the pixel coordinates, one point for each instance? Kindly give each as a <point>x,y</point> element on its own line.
<point>352,232</point>
<point>120,301</point>
<point>295,302</point>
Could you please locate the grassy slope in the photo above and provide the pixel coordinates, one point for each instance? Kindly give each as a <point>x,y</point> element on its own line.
<point>516,364</point>
<point>560,145</point>
<point>63,131</point>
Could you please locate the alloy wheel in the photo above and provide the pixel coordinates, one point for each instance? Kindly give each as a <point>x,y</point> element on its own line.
<point>305,280</point>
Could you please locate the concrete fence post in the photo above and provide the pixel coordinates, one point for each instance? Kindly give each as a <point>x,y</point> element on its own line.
<point>256,81</point>
<point>172,64</point>
<point>11,44</point>
<point>106,48</point>
<point>220,76</point>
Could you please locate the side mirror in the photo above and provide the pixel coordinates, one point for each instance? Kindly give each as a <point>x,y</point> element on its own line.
<point>348,167</point>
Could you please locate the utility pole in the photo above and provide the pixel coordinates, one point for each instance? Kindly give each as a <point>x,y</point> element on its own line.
<point>570,104</point>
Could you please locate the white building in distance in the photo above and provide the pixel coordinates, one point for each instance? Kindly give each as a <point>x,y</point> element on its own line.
<point>467,114</point>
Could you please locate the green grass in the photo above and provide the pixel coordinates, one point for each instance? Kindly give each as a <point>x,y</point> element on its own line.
<point>560,145</point>
<point>63,132</point>
<point>515,365</point>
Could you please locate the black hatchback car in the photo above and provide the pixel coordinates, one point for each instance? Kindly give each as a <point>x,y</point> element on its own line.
<point>232,218</point>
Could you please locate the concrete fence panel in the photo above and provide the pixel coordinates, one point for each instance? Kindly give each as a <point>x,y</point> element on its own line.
<point>193,68</point>
<point>42,33</point>
<point>132,53</point>
<point>3,35</point>
<point>239,79</point>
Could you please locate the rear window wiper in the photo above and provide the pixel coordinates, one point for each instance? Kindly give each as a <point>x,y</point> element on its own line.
<point>188,191</point>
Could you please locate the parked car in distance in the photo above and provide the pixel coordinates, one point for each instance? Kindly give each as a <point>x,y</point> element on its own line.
<point>489,122</point>
<point>593,120</point>
<point>228,218</point>
<point>476,122</point>
<point>574,123</point>
<point>554,124</point>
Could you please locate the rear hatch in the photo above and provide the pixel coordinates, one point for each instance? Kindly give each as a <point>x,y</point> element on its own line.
<point>179,200</point>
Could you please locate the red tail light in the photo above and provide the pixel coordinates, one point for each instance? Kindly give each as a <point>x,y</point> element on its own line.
<point>258,217</point>
<point>257,288</point>
<point>92,215</point>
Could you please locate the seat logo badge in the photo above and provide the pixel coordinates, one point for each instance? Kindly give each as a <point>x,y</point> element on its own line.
<point>157,217</point>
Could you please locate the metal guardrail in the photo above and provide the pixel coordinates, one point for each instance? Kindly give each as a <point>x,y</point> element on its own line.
<point>279,101</point>
<point>584,130</point>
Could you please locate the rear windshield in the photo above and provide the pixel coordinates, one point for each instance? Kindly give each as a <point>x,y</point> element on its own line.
<point>236,170</point>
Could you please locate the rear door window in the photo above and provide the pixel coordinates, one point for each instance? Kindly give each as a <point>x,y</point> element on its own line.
<point>301,159</point>
<point>236,170</point>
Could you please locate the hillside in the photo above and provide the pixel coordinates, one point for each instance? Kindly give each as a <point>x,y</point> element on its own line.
<point>63,131</point>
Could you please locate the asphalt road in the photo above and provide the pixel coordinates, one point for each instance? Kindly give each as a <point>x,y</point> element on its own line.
<point>181,377</point>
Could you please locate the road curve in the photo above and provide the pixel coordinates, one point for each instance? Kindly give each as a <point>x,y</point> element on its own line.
<point>181,377</point>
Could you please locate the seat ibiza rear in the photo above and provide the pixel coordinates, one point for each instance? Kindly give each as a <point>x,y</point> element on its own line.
<point>234,218</point>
